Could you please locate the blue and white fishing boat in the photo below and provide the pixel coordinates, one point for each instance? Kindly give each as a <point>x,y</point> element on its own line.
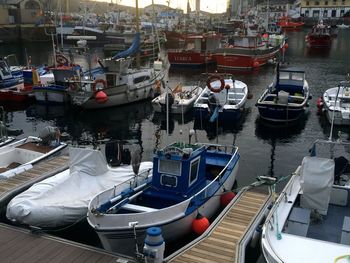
<point>187,182</point>
<point>286,98</point>
<point>56,92</point>
<point>310,220</point>
<point>222,98</point>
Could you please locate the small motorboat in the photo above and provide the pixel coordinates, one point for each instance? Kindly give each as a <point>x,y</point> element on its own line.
<point>286,98</point>
<point>187,181</point>
<point>223,98</point>
<point>336,103</point>
<point>310,220</point>
<point>20,155</point>
<point>343,26</point>
<point>63,199</point>
<point>180,100</point>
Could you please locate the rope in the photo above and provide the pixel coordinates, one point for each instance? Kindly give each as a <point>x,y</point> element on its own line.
<point>64,228</point>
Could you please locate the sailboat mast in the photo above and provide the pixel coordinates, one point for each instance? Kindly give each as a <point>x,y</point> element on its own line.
<point>137,30</point>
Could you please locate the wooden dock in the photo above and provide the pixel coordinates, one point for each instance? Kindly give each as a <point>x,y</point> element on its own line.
<point>18,183</point>
<point>228,235</point>
<point>19,245</point>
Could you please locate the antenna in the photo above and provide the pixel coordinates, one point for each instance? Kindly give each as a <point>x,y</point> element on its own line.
<point>335,104</point>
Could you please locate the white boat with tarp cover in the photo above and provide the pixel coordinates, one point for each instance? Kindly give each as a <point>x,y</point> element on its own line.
<point>187,180</point>
<point>20,155</point>
<point>310,220</point>
<point>63,199</point>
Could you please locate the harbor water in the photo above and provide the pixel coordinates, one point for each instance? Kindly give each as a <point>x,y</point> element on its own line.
<point>265,148</point>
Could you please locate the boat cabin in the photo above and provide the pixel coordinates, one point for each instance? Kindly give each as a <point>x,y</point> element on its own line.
<point>290,80</point>
<point>179,169</point>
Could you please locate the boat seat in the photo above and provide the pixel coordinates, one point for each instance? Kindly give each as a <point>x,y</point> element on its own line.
<point>138,208</point>
<point>299,221</point>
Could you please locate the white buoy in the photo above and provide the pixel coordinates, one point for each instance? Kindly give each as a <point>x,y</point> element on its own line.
<point>154,247</point>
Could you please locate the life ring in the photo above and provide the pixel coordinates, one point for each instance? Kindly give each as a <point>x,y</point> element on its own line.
<point>97,81</point>
<point>215,77</point>
<point>61,59</point>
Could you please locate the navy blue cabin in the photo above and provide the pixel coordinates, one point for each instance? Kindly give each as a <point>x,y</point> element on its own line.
<point>290,80</point>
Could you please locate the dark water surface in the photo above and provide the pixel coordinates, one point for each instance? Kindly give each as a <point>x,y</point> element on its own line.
<point>265,149</point>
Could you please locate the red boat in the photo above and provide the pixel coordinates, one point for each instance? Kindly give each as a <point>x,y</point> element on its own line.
<point>195,51</point>
<point>247,52</point>
<point>320,36</point>
<point>285,22</point>
<point>21,92</point>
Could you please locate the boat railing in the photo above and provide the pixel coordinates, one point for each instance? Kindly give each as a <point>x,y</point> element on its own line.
<point>219,176</point>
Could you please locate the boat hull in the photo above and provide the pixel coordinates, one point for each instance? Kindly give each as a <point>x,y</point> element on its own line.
<point>280,113</point>
<point>319,41</point>
<point>224,115</point>
<point>189,59</point>
<point>50,95</point>
<point>244,59</point>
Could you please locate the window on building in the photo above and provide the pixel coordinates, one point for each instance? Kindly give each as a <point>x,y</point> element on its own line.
<point>342,12</point>
<point>343,2</point>
<point>307,3</point>
<point>325,2</point>
<point>316,13</point>
<point>317,3</point>
<point>334,13</point>
<point>334,2</point>
<point>307,13</point>
<point>325,13</point>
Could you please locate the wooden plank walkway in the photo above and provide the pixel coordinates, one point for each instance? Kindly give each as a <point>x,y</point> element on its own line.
<point>18,183</point>
<point>18,245</point>
<point>222,243</point>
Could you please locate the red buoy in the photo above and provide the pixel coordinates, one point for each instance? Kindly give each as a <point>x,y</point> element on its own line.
<point>286,45</point>
<point>256,64</point>
<point>226,198</point>
<point>200,224</point>
<point>319,103</point>
<point>227,86</point>
<point>101,97</point>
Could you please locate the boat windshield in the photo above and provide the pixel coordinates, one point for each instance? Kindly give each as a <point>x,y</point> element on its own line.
<point>4,69</point>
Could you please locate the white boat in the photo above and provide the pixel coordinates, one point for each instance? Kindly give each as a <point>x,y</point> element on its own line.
<point>181,99</point>
<point>336,101</point>
<point>119,84</point>
<point>63,199</point>
<point>310,220</point>
<point>187,180</point>
<point>20,155</point>
<point>343,26</point>
<point>222,96</point>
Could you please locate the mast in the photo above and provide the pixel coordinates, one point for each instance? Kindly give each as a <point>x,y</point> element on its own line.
<point>137,31</point>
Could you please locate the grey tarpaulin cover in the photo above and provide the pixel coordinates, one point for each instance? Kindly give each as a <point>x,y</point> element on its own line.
<point>63,198</point>
<point>317,177</point>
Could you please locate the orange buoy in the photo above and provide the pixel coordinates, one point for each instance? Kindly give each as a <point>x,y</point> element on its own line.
<point>226,198</point>
<point>101,97</point>
<point>227,86</point>
<point>256,64</point>
<point>319,103</point>
<point>286,45</point>
<point>200,224</point>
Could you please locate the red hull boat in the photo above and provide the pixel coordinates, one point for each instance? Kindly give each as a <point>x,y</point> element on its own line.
<point>286,23</point>
<point>320,36</point>
<point>195,50</point>
<point>247,53</point>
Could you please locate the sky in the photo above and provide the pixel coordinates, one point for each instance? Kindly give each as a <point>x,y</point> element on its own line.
<point>213,6</point>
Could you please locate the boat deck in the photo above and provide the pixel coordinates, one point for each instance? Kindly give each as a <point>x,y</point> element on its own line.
<point>36,147</point>
<point>222,243</point>
<point>39,171</point>
<point>19,245</point>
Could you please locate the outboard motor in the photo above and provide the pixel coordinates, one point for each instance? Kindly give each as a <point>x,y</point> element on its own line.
<point>113,153</point>
<point>340,165</point>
